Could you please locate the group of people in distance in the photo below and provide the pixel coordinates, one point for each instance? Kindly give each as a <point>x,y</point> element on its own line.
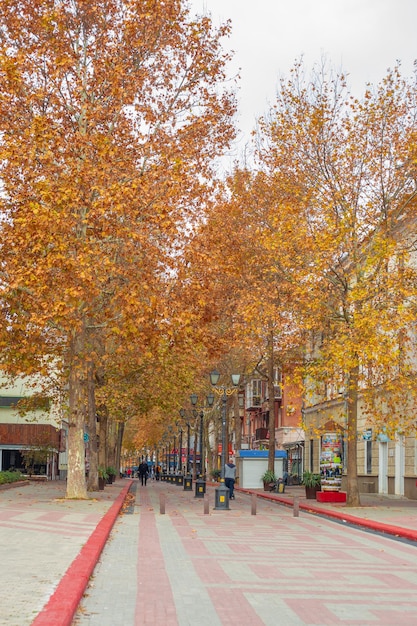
<point>144,472</point>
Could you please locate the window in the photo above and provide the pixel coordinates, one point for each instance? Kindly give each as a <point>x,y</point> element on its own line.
<point>368,457</point>
<point>254,393</point>
<point>256,388</point>
<point>9,401</point>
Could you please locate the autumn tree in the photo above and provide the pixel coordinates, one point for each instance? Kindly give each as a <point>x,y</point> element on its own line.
<point>348,162</point>
<point>237,292</point>
<point>112,112</point>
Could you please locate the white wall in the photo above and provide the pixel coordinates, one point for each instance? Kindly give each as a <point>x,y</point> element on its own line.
<point>251,470</point>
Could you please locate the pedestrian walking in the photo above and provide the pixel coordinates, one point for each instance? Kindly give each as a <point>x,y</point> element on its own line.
<point>143,472</point>
<point>158,471</point>
<point>229,478</point>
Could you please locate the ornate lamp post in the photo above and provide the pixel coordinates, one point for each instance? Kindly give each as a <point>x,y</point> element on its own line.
<point>210,400</point>
<point>187,463</point>
<point>201,483</point>
<point>180,453</point>
<point>222,492</point>
<point>174,465</point>
<point>187,481</point>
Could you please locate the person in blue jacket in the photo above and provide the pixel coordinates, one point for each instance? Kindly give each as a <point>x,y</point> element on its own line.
<point>229,478</point>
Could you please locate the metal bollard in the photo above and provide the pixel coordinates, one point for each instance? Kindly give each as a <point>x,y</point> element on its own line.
<point>253,503</point>
<point>296,506</point>
<point>188,483</point>
<point>200,488</point>
<point>206,504</point>
<point>162,503</point>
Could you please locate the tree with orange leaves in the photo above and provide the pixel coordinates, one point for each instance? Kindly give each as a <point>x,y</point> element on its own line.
<point>111,113</point>
<point>350,167</point>
<point>315,245</point>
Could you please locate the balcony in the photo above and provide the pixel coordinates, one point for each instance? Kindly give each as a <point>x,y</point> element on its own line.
<point>261,434</point>
<point>253,402</point>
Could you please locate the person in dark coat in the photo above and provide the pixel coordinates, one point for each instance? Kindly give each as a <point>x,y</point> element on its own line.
<point>143,472</point>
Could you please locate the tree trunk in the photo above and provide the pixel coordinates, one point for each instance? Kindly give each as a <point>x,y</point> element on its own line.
<point>120,431</point>
<point>209,451</point>
<point>111,443</point>
<point>352,498</point>
<point>195,451</point>
<point>271,403</point>
<point>226,452</point>
<point>76,485</point>
<point>238,431</point>
<point>92,481</point>
<point>103,428</point>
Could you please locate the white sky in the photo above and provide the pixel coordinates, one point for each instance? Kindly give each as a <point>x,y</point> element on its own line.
<point>361,37</point>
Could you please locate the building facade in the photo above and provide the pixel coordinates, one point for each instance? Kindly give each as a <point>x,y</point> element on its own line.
<point>289,434</point>
<point>39,429</point>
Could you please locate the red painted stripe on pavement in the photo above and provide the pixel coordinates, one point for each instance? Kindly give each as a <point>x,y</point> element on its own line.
<point>62,605</point>
<point>154,600</point>
<point>389,529</point>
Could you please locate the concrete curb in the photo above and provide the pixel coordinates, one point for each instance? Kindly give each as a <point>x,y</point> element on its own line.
<point>62,605</point>
<point>18,483</point>
<point>380,527</point>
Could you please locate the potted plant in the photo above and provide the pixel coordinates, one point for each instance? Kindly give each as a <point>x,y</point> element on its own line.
<point>269,479</point>
<point>215,474</point>
<point>111,471</point>
<point>312,484</point>
<point>102,477</point>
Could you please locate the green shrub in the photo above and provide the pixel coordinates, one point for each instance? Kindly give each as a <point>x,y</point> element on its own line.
<point>10,477</point>
<point>102,472</point>
<point>269,477</point>
<point>311,480</point>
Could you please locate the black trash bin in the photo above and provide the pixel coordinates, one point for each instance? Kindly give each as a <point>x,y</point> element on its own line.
<point>200,488</point>
<point>188,483</point>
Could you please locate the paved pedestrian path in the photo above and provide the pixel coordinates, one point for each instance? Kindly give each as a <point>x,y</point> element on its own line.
<point>189,566</point>
<point>41,536</point>
<point>388,514</point>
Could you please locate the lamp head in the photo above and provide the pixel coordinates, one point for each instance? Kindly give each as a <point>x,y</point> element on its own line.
<point>235,379</point>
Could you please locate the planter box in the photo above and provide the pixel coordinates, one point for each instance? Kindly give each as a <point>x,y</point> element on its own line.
<point>311,492</point>
<point>331,496</point>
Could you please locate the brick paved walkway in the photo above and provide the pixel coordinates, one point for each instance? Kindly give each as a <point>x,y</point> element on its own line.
<point>233,568</point>
<point>41,534</point>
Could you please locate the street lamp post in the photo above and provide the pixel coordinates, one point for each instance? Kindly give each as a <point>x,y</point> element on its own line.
<point>209,401</point>
<point>187,463</point>
<point>201,486</point>
<point>188,447</point>
<point>174,465</point>
<point>187,481</point>
<point>180,453</point>
<point>222,492</point>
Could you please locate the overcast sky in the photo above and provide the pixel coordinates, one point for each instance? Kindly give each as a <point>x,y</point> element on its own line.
<point>361,37</point>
